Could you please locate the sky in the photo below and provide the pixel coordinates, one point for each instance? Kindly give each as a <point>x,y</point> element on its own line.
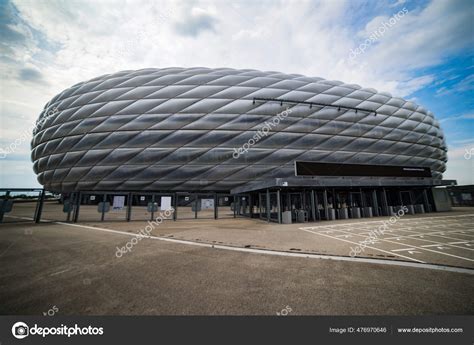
<point>422,51</point>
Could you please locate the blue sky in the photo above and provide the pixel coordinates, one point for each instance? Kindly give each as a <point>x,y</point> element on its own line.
<point>426,56</point>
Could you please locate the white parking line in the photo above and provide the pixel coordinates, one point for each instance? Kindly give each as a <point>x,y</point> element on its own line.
<point>402,249</point>
<point>416,247</point>
<point>416,234</point>
<point>415,237</point>
<point>421,220</point>
<point>357,243</point>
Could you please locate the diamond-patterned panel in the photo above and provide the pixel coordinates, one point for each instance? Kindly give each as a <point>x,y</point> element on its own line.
<point>176,129</point>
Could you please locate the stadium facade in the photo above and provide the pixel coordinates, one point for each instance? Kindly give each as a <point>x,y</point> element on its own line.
<point>283,147</point>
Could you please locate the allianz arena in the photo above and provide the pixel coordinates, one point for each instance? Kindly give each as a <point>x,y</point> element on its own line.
<point>176,131</point>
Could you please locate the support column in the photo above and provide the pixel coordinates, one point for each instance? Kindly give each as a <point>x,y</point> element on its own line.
<point>426,201</point>
<point>268,205</point>
<point>152,207</point>
<point>313,206</point>
<point>325,204</point>
<point>235,206</point>
<point>196,196</point>
<point>7,194</point>
<point>318,215</point>
<point>175,213</point>
<point>384,197</point>
<point>72,204</point>
<point>375,203</point>
<point>104,199</point>
<point>37,204</point>
<point>385,201</point>
<point>216,199</point>
<point>129,207</point>
<point>40,207</point>
<point>362,198</point>
<point>250,206</point>
<point>303,199</point>
<point>68,217</point>
<point>279,206</point>
<point>78,205</point>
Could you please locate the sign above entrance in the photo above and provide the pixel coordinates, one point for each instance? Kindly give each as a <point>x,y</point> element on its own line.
<point>332,169</point>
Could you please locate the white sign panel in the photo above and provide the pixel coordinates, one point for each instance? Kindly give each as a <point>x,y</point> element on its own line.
<point>119,202</point>
<point>165,203</point>
<point>207,204</point>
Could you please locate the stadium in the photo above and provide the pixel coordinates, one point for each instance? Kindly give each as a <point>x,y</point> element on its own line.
<point>216,143</point>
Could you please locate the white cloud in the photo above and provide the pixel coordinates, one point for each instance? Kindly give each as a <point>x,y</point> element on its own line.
<point>461,163</point>
<point>466,84</point>
<point>469,116</point>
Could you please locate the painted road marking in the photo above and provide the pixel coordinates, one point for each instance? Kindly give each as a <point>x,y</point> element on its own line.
<point>357,243</point>
<point>451,244</point>
<point>425,219</point>
<point>409,250</point>
<point>430,250</point>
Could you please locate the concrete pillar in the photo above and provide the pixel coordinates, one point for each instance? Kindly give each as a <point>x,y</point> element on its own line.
<point>313,206</point>
<point>196,196</point>
<point>39,209</point>
<point>175,213</point>
<point>279,206</point>
<point>153,203</point>
<point>129,207</point>
<point>362,198</point>
<point>216,200</point>
<point>325,204</point>
<point>235,206</point>
<point>78,205</point>
<point>104,199</point>
<point>375,203</point>
<point>385,203</point>
<point>268,205</point>
<point>426,201</point>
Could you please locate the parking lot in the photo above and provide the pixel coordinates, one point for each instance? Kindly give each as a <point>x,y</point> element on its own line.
<point>421,265</point>
<point>75,270</point>
<point>443,239</point>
